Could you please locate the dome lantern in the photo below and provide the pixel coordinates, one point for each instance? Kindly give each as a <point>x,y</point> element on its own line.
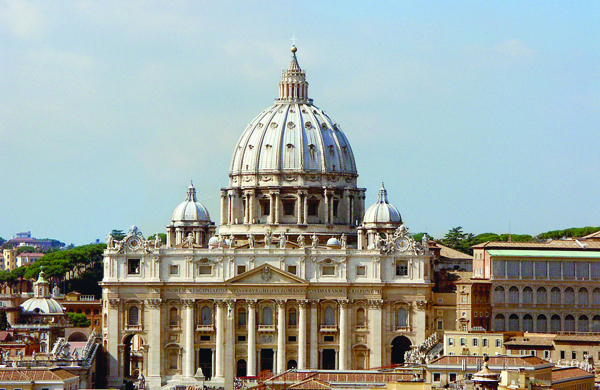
<point>293,86</point>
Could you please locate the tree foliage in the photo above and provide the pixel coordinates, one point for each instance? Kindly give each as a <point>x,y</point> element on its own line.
<point>571,232</point>
<point>4,324</point>
<point>79,320</point>
<point>118,234</point>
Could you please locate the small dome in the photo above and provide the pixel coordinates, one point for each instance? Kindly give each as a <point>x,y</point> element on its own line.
<point>190,210</point>
<point>382,211</point>
<point>42,306</point>
<point>214,240</point>
<point>333,243</point>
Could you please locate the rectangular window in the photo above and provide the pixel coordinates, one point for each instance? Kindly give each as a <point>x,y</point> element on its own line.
<point>204,337</point>
<point>437,376</point>
<point>583,270</point>
<point>450,340</point>
<point>498,343</point>
<point>401,268</point>
<point>541,269</point>
<point>532,352</point>
<point>568,269</point>
<point>475,342</point>
<point>205,270</point>
<point>313,208</point>
<point>241,269</point>
<point>265,206</point>
<point>288,207</point>
<point>498,269</point>
<point>361,270</point>
<point>546,355</point>
<point>475,314</point>
<point>336,204</point>
<point>328,270</point>
<point>563,354</point>
<point>292,339</point>
<point>440,325</point>
<point>484,342</point>
<point>242,318</point>
<point>463,341</point>
<point>328,338</point>
<point>452,377</point>
<point>554,269</point>
<point>527,269</point>
<point>512,269</point>
<point>596,270</point>
<point>241,337</point>
<point>573,355</point>
<point>292,269</point>
<point>133,267</point>
<point>174,270</point>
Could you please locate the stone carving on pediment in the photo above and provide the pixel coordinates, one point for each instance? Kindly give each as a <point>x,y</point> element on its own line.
<point>133,241</point>
<point>266,339</point>
<point>113,302</point>
<point>247,178</point>
<point>401,241</point>
<point>266,274</point>
<point>266,178</point>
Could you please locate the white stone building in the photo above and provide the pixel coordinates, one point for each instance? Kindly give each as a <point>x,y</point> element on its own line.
<point>300,275</point>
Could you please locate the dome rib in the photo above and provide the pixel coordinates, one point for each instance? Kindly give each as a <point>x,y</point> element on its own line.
<point>382,212</point>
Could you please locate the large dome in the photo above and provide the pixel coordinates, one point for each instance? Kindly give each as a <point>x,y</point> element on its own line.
<point>293,136</point>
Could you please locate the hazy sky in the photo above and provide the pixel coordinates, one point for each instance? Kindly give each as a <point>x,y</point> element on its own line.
<point>480,114</point>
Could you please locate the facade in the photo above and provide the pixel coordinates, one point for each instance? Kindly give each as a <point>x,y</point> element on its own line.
<point>542,287</point>
<point>473,303</point>
<point>301,274</point>
<point>474,343</point>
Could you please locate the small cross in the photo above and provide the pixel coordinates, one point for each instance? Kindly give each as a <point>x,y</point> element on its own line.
<point>293,39</point>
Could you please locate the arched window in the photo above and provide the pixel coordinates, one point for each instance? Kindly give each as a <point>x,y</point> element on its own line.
<point>360,317</point>
<point>527,295</point>
<point>527,323</point>
<point>241,319</point>
<point>583,296</point>
<point>499,323</point>
<point>329,316</point>
<point>291,364</point>
<point>513,295</point>
<point>206,316</point>
<point>583,324</point>
<point>105,320</point>
<point>542,323</point>
<point>173,316</point>
<point>596,323</point>
<point>541,296</point>
<point>596,296</point>
<point>569,323</point>
<point>513,323</point>
<point>401,317</point>
<point>360,361</point>
<point>96,312</point>
<point>267,315</point>
<point>555,296</point>
<point>88,312</point>
<point>499,294</point>
<point>292,317</point>
<point>569,296</point>
<point>133,317</point>
<point>555,323</point>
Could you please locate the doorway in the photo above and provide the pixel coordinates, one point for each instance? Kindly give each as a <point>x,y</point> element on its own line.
<point>205,362</point>
<point>133,357</point>
<point>266,359</point>
<point>328,362</point>
<point>400,345</point>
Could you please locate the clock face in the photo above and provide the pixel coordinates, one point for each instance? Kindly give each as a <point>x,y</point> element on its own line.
<point>402,244</point>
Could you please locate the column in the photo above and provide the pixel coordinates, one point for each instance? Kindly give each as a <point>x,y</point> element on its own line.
<point>302,335</point>
<point>250,207</point>
<point>188,351</point>
<point>271,208</point>
<point>154,343</point>
<point>113,326</point>
<point>277,208</point>
<point>251,321</point>
<point>220,329</point>
<point>281,336</point>
<point>299,209</point>
<point>343,358</point>
<point>224,216</point>
<point>314,334</point>
<point>375,332</point>
<point>246,208</point>
<point>326,207</point>
<point>305,216</point>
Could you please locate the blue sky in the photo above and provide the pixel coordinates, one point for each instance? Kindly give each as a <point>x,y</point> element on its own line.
<point>479,114</point>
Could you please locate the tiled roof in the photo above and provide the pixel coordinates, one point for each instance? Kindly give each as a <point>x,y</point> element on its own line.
<point>310,384</point>
<point>578,337</point>
<point>452,253</point>
<point>33,374</point>
<point>341,376</point>
<point>554,244</point>
<point>593,235</point>
<point>30,254</point>
<point>569,373</point>
<point>494,360</point>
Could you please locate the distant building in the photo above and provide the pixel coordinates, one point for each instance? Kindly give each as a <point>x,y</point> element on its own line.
<point>27,258</point>
<point>38,379</point>
<point>475,342</point>
<point>450,259</point>
<point>542,287</point>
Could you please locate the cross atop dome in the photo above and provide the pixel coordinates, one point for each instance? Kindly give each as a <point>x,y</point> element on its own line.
<point>293,86</point>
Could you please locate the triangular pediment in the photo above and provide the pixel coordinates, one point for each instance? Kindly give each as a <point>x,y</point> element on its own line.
<point>267,274</point>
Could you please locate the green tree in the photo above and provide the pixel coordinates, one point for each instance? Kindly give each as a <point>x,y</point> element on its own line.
<point>27,249</point>
<point>459,240</point>
<point>4,325</point>
<point>79,320</point>
<point>118,234</point>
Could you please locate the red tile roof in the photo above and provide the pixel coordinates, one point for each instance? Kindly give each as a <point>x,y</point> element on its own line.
<point>569,373</point>
<point>34,374</point>
<point>494,360</point>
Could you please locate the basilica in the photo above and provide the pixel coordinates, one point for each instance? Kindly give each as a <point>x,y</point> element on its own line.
<point>299,274</point>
